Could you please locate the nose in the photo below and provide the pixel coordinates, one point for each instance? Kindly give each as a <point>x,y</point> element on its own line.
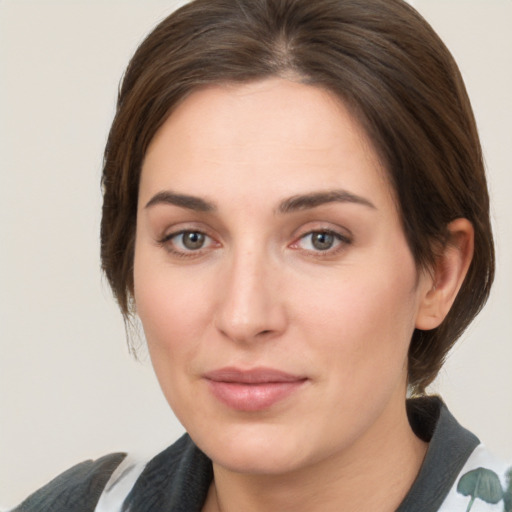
<point>251,306</point>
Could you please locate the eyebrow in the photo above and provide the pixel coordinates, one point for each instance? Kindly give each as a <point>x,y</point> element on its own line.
<point>181,200</point>
<point>292,204</point>
<point>315,199</point>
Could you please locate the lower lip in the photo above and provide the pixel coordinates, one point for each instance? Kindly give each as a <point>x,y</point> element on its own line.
<point>253,397</point>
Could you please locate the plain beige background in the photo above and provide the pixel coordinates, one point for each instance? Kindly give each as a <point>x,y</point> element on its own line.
<point>68,388</point>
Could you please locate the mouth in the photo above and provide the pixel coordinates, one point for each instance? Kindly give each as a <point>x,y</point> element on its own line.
<point>252,390</point>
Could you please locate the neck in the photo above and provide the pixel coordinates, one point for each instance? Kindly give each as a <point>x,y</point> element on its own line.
<point>373,474</point>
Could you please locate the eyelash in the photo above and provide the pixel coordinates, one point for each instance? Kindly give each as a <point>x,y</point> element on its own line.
<point>340,242</point>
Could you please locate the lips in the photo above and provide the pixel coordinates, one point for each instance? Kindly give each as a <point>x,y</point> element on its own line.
<point>252,390</point>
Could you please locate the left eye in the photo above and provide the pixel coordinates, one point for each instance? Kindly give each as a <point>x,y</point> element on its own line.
<point>320,241</point>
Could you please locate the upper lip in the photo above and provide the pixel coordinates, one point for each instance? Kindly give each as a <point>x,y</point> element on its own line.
<point>260,375</point>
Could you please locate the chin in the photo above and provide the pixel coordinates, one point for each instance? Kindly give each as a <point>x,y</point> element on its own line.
<point>258,461</point>
<point>264,449</point>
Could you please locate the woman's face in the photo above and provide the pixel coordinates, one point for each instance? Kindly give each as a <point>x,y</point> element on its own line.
<point>272,277</point>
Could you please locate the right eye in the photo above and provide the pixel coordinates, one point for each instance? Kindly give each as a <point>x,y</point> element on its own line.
<point>187,242</point>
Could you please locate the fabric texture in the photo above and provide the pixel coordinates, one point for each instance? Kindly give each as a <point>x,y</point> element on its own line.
<point>458,474</point>
<point>76,490</point>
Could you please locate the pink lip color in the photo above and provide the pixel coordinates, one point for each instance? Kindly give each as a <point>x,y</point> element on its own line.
<point>252,390</point>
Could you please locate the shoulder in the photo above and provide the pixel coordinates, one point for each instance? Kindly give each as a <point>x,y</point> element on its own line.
<point>485,480</point>
<point>458,473</point>
<point>176,479</point>
<point>76,490</point>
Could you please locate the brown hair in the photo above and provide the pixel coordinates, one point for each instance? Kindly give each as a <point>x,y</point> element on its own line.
<point>383,60</point>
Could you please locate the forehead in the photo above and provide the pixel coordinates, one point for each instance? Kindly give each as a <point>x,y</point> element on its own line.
<point>262,132</point>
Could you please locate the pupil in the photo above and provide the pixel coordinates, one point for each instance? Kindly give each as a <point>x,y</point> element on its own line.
<point>322,241</point>
<point>193,240</point>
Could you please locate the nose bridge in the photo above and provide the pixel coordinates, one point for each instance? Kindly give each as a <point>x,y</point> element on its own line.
<point>250,307</point>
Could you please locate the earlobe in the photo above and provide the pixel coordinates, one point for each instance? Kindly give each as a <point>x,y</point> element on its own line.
<point>447,276</point>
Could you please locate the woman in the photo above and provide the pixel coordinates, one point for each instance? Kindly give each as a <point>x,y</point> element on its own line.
<point>295,206</point>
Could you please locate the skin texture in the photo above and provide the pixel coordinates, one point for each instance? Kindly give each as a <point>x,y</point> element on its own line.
<point>259,290</point>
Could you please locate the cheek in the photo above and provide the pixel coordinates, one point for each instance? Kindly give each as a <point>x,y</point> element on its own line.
<point>168,306</point>
<point>165,312</point>
<point>365,318</point>
<point>173,320</point>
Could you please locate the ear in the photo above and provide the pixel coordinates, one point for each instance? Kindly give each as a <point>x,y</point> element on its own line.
<point>444,281</point>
